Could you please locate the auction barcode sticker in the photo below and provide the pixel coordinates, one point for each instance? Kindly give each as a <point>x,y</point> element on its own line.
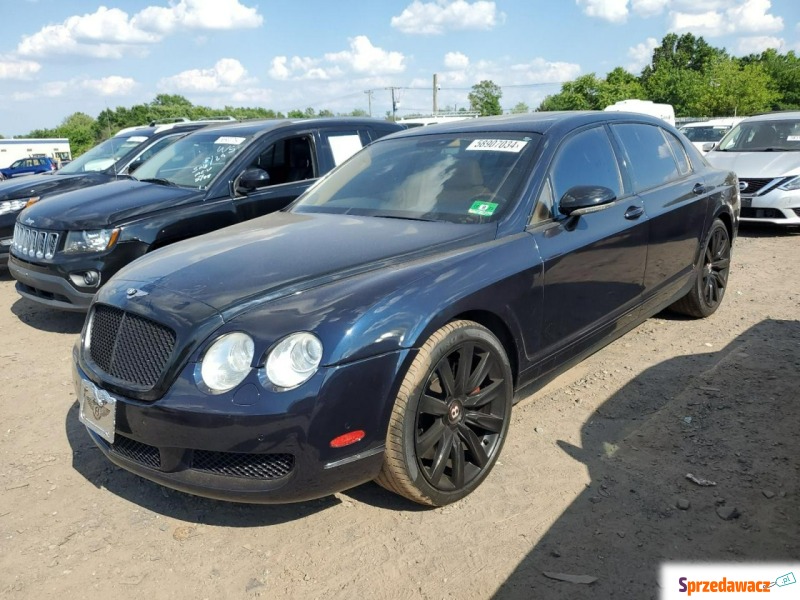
<point>498,145</point>
<point>226,139</point>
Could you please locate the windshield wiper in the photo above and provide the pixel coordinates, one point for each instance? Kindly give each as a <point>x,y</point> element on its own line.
<point>159,181</point>
<point>407,218</point>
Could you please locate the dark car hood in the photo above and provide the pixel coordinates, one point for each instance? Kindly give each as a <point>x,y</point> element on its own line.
<point>48,184</point>
<point>103,205</point>
<point>283,253</point>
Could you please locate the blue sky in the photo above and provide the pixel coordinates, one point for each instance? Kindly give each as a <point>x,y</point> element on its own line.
<point>59,57</point>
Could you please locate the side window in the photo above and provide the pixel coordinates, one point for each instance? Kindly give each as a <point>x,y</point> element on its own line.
<point>287,160</point>
<point>684,166</point>
<point>543,211</point>
<point>586,158</point>
<point>649,154</point>
<point>343,145</point>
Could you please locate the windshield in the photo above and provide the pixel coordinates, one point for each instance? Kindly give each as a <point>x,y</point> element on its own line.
<point>461,178</point>
<point>104,154</point>
<point>705,133</point>
<point>762,136</point>
<point>193,161</point>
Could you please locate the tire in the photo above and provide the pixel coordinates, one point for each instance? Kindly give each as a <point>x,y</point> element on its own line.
<point>711,279</point>
<point>450,417</point>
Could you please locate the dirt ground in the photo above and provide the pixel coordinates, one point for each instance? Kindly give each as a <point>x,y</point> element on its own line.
<point>589,481</point>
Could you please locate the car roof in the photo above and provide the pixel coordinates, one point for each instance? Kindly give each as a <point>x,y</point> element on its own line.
<point>246,128</point>
<point>537,122</point>
<point>776,116</point>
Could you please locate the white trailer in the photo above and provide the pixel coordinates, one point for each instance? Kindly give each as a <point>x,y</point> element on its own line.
<point>646,107</point>
<point>56,148</point>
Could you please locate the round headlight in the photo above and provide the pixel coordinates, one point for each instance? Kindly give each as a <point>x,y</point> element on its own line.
<point>293,360</point>
<point>227,362</point>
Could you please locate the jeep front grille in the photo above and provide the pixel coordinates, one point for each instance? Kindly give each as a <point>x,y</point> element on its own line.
<point>128,347</point>
<point>34,243</point>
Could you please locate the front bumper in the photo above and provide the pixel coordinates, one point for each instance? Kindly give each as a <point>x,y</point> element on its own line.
<point>268,448</point>
<point>776,207</point>
<point>41,285</point>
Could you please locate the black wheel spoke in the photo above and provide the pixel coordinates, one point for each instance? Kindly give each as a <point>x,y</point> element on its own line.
<point>484,421</point>
<point>480,372</point>
<point>446,377</point>
<point>442,456</point>
<point>457,476</point>
<point>464,367</point>
<point>488,394</point>
<point>427,440</point>
<point>721,263</point>
<point>432,406</point>
<point>474,445</point>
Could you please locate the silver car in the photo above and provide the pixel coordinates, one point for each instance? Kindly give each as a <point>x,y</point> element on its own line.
<point>764,151</point>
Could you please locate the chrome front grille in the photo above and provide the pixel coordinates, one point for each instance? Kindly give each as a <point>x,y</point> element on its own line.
<point>34,243</point>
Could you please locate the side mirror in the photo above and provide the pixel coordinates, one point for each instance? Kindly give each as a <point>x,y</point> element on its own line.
<point>252,179</point>
<point>582,199</point>
<point>709,146</point>
<point>134,165</point>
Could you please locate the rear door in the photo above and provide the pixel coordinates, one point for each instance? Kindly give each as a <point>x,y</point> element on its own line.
<point>675,198</point>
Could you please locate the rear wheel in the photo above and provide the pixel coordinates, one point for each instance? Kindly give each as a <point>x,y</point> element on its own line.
<point>450,418</point>
<point>712,279</point>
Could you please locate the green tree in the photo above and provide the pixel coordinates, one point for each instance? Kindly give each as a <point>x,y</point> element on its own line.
<point>520,108</point>
<point>733,88</point>
<point>485,98</point>
<point>784,70</point>
<point>581,94</point>
<point>619,85</point>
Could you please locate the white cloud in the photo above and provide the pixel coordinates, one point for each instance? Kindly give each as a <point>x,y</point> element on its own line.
<point>434,18</point>
<point>279,70</point>
<point>749,16</point>
<point>614,11</point>
<point>110,86</point>
<point>648,8</point>
<point>456,60</point>
<point>112,33</point>
<point>641,54</point>
<point>222,77</point>
<point>13,68</point>
<point>757,44</point>
<point>365,58</point>
<point>198,14</point>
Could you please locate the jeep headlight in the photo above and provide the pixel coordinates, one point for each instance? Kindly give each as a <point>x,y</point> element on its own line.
<point>94,240</point>
<point>293,360</point>
<point>10,206</point>
<point>226,363</point>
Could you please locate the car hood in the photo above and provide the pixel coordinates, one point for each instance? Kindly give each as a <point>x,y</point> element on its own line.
<point>285,253</point>
<point>48,184</point>
<point>751,165</point>
<point>105,205</point>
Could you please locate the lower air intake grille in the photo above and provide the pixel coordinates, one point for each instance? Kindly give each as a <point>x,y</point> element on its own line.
<point>137,452</point>
<point>249,466</point>
<point>129,347</point>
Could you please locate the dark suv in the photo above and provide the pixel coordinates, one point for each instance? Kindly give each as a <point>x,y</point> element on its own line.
<point>105,162</point>
<point>64,249</point>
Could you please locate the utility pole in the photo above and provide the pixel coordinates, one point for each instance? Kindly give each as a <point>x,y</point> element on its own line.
<point>435,91</point>
<point>369,97</point>
<point>394,102</point>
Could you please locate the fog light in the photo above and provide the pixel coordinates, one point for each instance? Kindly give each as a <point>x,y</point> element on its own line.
<point>348,438</point>
<point>87,279</point>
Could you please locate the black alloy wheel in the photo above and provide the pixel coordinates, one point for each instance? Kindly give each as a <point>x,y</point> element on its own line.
<point>451,416</point>
<point>711,280</point>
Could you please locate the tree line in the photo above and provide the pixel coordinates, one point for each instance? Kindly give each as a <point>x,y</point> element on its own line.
<point>697,79</point>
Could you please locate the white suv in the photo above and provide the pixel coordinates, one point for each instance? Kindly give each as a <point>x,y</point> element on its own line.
<point>764,151</point>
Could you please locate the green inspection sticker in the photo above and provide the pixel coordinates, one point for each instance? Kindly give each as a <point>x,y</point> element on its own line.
<point>484,209</point>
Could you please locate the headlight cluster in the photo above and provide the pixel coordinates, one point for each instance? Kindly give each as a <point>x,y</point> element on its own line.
<point>10,206</point>
<point>95,240</point>
<point>291,362</point>
<point>791,185</point>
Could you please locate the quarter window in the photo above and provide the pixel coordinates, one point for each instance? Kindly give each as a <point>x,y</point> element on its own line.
<point>684,166</point>
<point>651,160</point>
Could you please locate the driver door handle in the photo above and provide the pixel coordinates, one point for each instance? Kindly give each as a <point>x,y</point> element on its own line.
<point>634,212</point>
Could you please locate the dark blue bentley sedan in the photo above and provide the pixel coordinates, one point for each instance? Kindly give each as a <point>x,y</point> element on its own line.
<point>382,325</point>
